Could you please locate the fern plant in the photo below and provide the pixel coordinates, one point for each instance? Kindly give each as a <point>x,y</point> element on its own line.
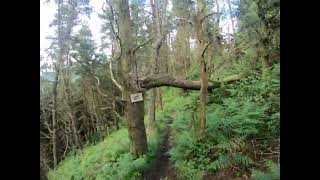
<point>273,174</point>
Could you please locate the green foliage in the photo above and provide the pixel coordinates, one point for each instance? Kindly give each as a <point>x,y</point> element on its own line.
<point>187,170</point>
<point>273,174</point>
<point>109,159</point>
<point>220,163</point>
<point>236,113</point>
<point>241,159</point>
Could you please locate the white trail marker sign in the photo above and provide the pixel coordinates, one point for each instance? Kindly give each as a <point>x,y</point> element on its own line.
<point>136,97</point>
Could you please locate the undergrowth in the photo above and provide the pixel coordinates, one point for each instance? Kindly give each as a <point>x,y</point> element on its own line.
<point>241,138</point>
<point>243,120</point>
<point>109,159</point>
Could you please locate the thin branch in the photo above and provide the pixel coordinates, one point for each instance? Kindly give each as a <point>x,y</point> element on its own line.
<point>112,110</point>
<point>150,13</point>
<point>202,55</point>
<point>97,80</point>
<point>115,34</point>
<point>113,79</point>
<point>99,91</point>
<point>183,19</point>
<point>67,145</point>
<point>139,46</point>
<point>46,123</point>
<point>208,16</point>
<point>45,135</point>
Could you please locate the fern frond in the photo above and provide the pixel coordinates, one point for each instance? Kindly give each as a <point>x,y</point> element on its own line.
<point>241,159</point>
<point>221,163</point>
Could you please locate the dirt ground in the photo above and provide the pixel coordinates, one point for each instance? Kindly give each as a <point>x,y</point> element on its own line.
<point>163,168</point>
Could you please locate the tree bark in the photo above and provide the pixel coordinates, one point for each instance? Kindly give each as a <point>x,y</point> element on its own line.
<point>264,65</point>
<point>230,14</point>
<point>155,70</point>
<point>64,39</point>
<point>168,80</point>
<point>132,84</point>
<point>54,120</point>
<point>203,95</point>
<point>97,117</point>
<point>199,31</point>
<point>160,104</point>
<point>135,111</point>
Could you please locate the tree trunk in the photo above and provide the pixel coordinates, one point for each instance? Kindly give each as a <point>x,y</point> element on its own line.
<point>167,80</point>
<point>152,110</point>
<point>98,124</point>
<point>230,14</point>
<point>264,65</point>
<point>135,111</point>
<point>63,40</point>
<point>203,95</point>
<point>69,103</point>
<point>115,117</point>
<point>160,104</point>
<point>203,72</point>
<point>155,70</point>
<point>54,120</point>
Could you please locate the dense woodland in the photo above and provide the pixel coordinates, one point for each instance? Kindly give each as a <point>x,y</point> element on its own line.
<point>214,96</point>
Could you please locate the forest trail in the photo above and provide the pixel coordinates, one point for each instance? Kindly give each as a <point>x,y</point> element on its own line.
<point>163,168</point>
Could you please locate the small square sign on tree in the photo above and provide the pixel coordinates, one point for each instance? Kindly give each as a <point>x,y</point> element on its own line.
<point>136,97</point>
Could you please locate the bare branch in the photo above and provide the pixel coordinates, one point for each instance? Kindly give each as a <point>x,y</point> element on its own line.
<point>99,91</point>
<point>48,126</point>
<point>139,46</point>
<point>183,19</point>
<point>208,16</point>
<point>113,111</point>
<point>67,145</point>
<point>202,55</point>
<point>113,79</point>
<point>232,78</point>
<point>113,31</point>
<point>45,135</point>
<point>167,80</point>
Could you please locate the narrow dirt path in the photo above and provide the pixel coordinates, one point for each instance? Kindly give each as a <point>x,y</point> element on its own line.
<point>163,168</point>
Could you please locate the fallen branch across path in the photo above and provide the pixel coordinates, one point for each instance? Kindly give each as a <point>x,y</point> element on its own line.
<point>167,80</point>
